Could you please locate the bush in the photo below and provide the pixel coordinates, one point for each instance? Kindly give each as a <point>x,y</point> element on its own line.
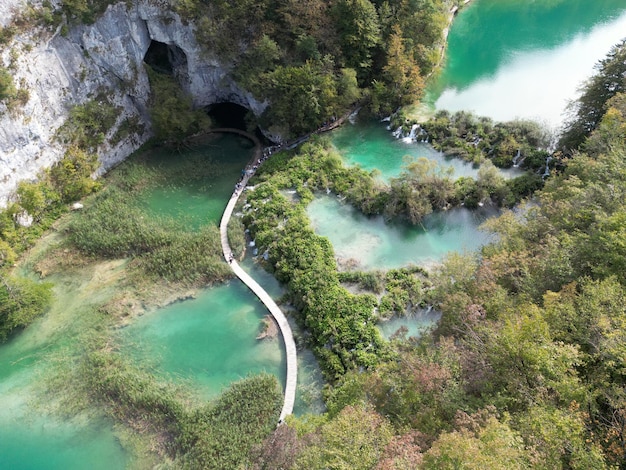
<point>21,301</point>
<point>88,124</point>
<point>72,176</point>
<point>7,87</point>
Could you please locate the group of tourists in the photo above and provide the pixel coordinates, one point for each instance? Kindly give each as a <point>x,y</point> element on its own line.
<point>248,171</point>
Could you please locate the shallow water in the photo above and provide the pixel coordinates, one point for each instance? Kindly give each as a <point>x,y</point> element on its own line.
<point>194,200</point>
<point>509,58</point>
<point>416,323</point>
<point>207,342</point>
<point>369,243</point>
<point>32,435</point>
<point>371,146</point>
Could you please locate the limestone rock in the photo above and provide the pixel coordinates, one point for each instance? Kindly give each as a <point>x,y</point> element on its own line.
<point>105,58</point>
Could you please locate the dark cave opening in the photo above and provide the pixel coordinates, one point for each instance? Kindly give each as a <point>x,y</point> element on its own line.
<point>166,58</point>
<point>228,115</point>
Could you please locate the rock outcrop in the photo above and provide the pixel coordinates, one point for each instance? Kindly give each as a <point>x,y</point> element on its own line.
<point>104,59</point>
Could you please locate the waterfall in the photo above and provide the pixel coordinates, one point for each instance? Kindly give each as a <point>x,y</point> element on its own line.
<point>411,137</point>
<point>518,159</point>
<point>398,132</point>
<point>353,116</point>
<point>546,172</point>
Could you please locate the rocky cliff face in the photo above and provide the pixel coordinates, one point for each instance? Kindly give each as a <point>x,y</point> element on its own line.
<point>103,58</point>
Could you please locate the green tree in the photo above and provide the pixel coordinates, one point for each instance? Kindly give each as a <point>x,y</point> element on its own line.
<point>302,97</point>
<point>482,441</point>
<point>35,198</point>
<point>560,439</point>
<point>72,175</point>
<point>88,123</point>
<point>588,110</point>
<point>401,74</point>
<point>355,439</point>
<point>359,31</point>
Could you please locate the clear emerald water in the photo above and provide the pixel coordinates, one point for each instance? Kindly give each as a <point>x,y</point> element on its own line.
<point>31,435</point>
<point>510,58</point>
<point>369,243</point>
<point>208,342</point>
<point>416,323</point>
<point>372,147</point>
<point>202,179</point>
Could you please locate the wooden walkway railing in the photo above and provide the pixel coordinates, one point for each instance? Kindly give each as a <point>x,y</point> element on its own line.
<point>279,316</point>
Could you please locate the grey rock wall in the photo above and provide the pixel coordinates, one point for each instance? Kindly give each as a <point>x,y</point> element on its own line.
<point>103,58</point>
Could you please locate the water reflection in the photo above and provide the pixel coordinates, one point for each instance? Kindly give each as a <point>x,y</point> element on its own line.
<point>526,82</point>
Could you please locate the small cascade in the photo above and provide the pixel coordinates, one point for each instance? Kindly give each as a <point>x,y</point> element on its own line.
<point>398,132</point>
<point>518,159</point>
<point>386,119</point>
<point>412,133</point>
<point>353,116</point>
<point>546,172</point>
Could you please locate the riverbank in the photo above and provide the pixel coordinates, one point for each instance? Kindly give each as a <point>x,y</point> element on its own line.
<point>421,112</point>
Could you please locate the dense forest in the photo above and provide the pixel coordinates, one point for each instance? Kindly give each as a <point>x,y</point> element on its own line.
<point>527,367</point>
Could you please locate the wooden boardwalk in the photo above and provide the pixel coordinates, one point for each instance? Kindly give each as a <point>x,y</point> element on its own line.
<point>279,316</point>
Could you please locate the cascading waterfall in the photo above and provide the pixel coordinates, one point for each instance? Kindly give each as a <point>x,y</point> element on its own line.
<point>518,159</point>
<point>546,172</point>
<point>412,133</point>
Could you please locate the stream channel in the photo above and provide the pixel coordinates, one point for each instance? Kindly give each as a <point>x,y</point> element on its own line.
<point>507,59</point>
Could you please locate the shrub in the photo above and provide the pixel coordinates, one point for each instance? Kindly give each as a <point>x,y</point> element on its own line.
<point>21,301</point>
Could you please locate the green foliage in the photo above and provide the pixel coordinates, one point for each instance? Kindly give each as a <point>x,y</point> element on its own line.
<point>560,439</point>
<point>371,281</point>
<point>84,11</point>
<point>421,389</point>
<point>359,32</point>
<point>591,106</point>
<point>171,110</point>
<point>404,291</point>
<point>72,175</point>
<point>87,124</point>
<point>7,87</point>
<point>401,83</point>
<point>112,225</point>
<point>221,435</point>
<point>21,301</point>
<point>476,139</point>
<point>129,393</point>
<point>236,236</point>
<point>218,435</point>
<point>303,97</point>
<point>355,439</point>
<point>343,332</point>
<point>482,441</point>
<point>314,59</point>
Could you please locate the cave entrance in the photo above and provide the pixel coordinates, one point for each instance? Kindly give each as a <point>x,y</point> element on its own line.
<point>228,115</point>
<point>164,58</point>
